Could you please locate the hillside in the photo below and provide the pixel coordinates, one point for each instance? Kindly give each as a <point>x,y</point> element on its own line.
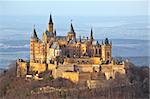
<point>132,86</point>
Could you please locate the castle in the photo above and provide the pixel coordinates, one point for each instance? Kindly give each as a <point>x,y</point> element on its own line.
<point>76,59</point>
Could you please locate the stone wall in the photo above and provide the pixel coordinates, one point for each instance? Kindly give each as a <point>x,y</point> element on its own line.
<point>111,69</point>
<point>72,76</point>
<point>51,66</point>
<point>37,67</point>
<point>85,68</point>
<point>21,69</point>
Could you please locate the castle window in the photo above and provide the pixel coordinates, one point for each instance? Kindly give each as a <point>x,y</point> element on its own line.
<point>108,54</point>
<point>96,51</point>
<point>110,77</point>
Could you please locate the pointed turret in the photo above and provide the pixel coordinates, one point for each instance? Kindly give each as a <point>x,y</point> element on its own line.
<point>106,41</point>
<point>50,24</point>
<point>71,34</point>
<point>50,19</point>
<point>91,35</point>
<point>34,34</point>
<point>71,28</point>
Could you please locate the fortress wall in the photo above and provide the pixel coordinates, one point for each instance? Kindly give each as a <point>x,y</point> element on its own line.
<point>119,68</point>
<point>57,72</point>
<point>106,68</point>
<point>110,70</point>
<point>37,67</point>
<point>109,75</point>
<point>92,60</point>
<point>51,66</point>
<point>85,67</point>
<point>96,60</point>
<point>68,67</point>
<point>79,60</point>
<point>21,69</point>
<point>73,76</point>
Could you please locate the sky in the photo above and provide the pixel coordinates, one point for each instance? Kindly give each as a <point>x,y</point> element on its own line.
<point>74,7</point>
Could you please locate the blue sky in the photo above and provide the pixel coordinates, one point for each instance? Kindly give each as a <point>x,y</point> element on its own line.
<point>75,8</point>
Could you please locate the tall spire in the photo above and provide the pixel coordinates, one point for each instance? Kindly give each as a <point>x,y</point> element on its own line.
<point>91,35</point>
<point>55,32</point>
<point>34,35</point>
<point>71,27</point>
<point>50,24</point>
<point>50,19</point>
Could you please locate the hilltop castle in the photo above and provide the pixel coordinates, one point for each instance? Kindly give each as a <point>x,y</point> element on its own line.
<point>77,59</point>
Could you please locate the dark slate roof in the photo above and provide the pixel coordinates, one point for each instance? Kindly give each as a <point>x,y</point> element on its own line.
<point>91,36</point>
<point>50,20</point>
<point>106,41</point>
<point>34,35</point>
<point>71,29</point>
<point>49,34</point>
<point>60,36</point>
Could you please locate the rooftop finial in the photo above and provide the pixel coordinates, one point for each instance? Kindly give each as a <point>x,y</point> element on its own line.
<point>34,35</point>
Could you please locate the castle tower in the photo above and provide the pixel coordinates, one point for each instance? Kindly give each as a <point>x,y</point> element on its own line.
<point>50,24</point>
<point>33,41</point>
<point>71,34</point>
<point>106,51</point>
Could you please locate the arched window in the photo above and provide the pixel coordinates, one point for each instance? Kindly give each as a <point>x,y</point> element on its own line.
<point>96,51</point>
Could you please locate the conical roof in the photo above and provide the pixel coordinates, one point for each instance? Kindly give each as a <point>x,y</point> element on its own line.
<point>106,41</point>
<point>34,34</point>
<point>91,35</point>
<point>50,19</point>
<point>71,28</point>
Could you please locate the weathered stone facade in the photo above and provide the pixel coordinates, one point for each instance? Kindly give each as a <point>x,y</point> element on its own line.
<point>69,57</point>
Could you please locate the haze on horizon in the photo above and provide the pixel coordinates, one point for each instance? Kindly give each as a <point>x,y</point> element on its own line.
<point>74,8</point>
